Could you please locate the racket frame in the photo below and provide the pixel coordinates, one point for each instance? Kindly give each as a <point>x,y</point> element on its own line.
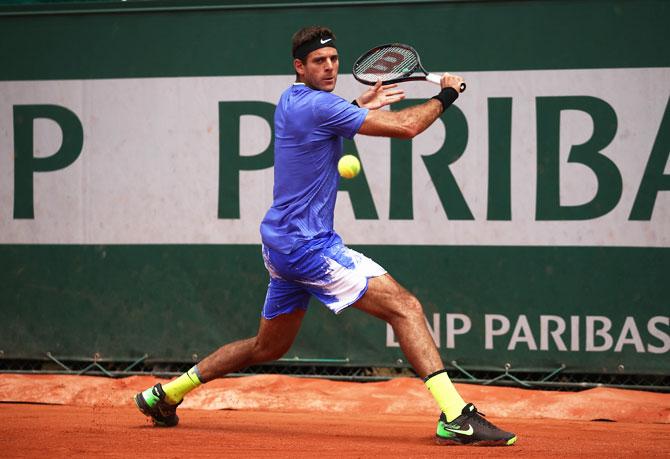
<point>417,73</point>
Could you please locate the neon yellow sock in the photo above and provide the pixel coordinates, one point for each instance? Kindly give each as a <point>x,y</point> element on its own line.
<point>177,388</point>
<point>446,395</point>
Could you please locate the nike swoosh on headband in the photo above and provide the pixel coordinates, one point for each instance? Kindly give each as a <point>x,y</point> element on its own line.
<point>323,42</point>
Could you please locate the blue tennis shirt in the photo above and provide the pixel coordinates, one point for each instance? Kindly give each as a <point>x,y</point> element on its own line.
<point>309,126</point>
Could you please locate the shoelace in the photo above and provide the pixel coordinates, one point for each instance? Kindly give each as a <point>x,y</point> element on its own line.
<point>479,419</point>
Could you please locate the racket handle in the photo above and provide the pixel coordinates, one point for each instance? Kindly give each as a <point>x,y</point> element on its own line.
<point>437,79</point>
<point>434,78</point>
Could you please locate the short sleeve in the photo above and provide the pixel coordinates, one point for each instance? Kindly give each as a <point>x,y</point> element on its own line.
<point>337,116</point>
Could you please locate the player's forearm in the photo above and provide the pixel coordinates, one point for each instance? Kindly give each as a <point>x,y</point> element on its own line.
<point>403,124</point>
<point>416,119</point>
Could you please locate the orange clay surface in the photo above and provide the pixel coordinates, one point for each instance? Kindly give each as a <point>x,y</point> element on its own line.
<point>280,416</point>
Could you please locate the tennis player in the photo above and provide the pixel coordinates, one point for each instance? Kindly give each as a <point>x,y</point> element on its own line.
<point>305,257</point>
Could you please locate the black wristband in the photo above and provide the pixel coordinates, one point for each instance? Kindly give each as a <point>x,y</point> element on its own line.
<point>353,102</point>
<point>447,97</point>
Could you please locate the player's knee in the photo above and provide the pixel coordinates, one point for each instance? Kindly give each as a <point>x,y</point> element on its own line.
<point>408,308</point>
<point>413,306</point>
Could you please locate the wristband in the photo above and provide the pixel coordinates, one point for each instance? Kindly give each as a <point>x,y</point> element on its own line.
<point>353,102</point>
<point>447,97</point>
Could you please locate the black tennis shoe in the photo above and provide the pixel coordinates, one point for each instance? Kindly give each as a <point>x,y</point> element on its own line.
<point>470,428</point>
<point>162,413</point>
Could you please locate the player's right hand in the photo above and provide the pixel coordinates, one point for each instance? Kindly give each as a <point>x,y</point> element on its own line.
<point>451,81</point>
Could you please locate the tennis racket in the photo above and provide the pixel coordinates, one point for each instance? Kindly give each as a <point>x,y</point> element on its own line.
<point>392,63</point>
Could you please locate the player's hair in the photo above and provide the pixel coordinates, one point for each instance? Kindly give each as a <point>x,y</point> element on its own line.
<point>307,34</point>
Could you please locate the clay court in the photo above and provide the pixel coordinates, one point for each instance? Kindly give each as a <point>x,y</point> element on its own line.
<point>281,416</point>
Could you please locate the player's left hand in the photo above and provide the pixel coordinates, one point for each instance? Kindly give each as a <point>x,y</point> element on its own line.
<point>380,95</point>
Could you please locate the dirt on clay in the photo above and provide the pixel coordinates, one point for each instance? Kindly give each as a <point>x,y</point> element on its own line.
<point>282,416</point>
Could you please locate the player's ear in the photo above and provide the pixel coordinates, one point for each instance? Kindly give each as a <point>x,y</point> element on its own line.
<point>299,67</point>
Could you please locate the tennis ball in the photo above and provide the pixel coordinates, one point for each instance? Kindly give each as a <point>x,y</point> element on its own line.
<point>348,166</point>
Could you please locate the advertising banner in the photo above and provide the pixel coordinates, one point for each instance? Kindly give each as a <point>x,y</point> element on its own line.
<point>532,220</point>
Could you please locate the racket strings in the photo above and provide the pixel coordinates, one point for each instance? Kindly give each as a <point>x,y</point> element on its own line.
<point>386,64</point>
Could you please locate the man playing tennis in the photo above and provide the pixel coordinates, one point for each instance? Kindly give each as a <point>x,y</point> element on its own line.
<point>304,255</point>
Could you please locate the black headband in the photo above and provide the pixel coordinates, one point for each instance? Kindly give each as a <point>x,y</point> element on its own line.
<point>302,51</point>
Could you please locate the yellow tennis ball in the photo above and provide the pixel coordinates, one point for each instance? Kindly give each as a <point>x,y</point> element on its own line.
<point>348,166</point>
